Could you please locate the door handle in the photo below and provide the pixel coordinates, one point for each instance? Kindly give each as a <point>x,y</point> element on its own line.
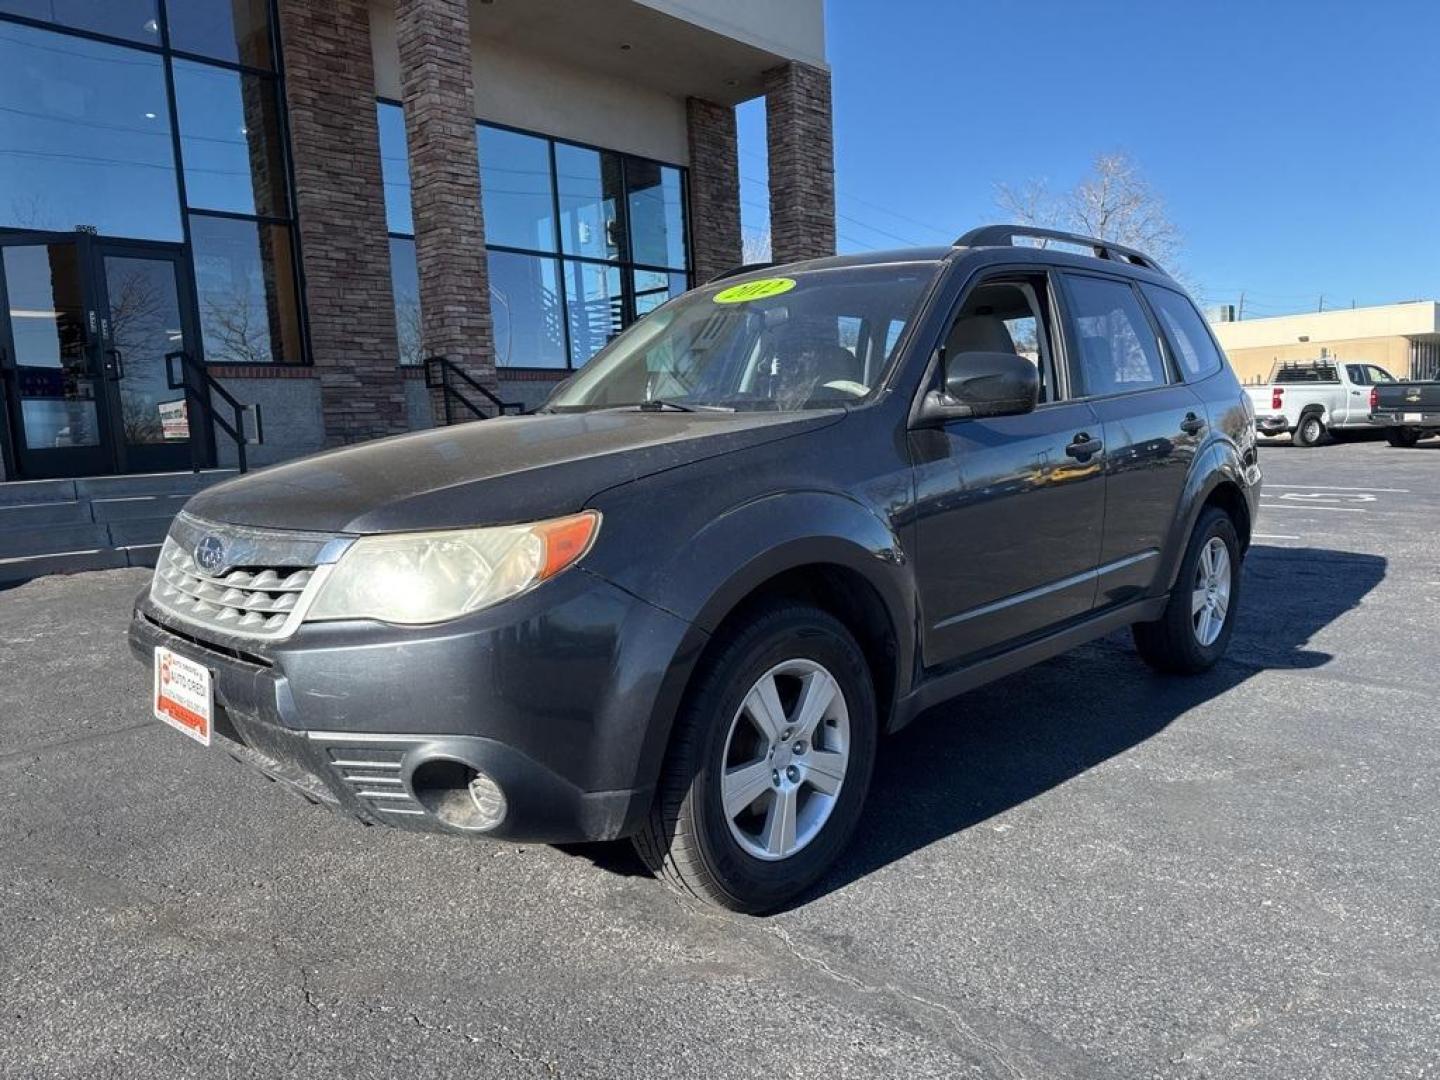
<point>1192,424</point>
<point>1084,446</point>
<point>117,363</point>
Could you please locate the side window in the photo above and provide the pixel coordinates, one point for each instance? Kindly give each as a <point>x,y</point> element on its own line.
<point>1358,375</point>
<point>1379,374</point>
<point>1118,350</point>
<point>1007,315</point>
<point>1189,339</point>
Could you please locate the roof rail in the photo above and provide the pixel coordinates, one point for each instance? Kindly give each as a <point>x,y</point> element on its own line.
<point>736,271</point>
<point>1004,236</point>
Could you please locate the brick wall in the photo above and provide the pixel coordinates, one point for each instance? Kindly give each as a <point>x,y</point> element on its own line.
<point>330,92</point>
<point>439,95</point>
<point>802,161</point>
<point>714,189</point>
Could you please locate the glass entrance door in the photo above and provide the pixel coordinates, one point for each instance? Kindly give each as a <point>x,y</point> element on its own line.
<point>85,325</point>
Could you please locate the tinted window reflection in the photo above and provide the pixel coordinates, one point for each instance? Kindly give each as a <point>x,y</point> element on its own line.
<point>590,192</point>
<point>597,308</point>
<point>654,287</point>
<point>515,185</point>
<point>405,281</point>
<point>229,140</point>
<point>84,137</point>
<point>246,291</point>
<point>525,306</point>
<point>136,20</point>
<point>657,214</point>
<point>395,168</point>
<point>234,30</point>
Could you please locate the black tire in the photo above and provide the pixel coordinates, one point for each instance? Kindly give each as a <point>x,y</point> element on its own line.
<point>687,839</point>
<point>1170,644</point>
<point>1310,431</point>
<point>1402,436</point>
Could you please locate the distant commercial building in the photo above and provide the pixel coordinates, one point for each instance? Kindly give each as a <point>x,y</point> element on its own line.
<point>307,197</point>
<point>1404,339</point>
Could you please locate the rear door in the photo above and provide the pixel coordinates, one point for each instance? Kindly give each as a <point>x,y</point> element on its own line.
<point>1009,510</point>
<point>1152,425</point>
<point>1357,395</point>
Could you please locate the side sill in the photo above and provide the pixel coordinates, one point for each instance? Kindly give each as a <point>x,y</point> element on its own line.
<point>942,687</point>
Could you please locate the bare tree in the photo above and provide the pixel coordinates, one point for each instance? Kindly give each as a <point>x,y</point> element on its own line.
<point>1114,202</point>
<point>755,246</point>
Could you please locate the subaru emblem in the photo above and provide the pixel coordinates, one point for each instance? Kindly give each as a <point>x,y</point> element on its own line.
<point>210,553</point>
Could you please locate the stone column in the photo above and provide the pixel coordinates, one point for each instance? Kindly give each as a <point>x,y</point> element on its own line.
<point>340,204</point>
<point>802,161</point>
<point>715,242</point>
<point>438,86</point>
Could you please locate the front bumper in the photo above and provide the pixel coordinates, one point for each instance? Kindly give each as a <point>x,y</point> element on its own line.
<point>562,696</point>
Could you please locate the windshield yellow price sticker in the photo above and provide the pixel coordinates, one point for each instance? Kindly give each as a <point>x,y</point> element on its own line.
<point>755,290</point>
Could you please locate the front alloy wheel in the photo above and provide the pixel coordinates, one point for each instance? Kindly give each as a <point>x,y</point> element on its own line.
<point>785,759</point>
<point>769,761</point>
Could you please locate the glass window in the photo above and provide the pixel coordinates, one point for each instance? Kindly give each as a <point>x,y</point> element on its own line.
<point>136,20</point>
<point>589,182</point>
<point>779,352</point>
<point>234,30</point>
<point>654,287</point>
<point>1196,350</point>
<point>516,190</point>
<point>1378,374</point>
<point>230,140</point>
<point>245,286</point>
<point>1118,350</point>
<point>405,280</point>
<point>84,137</point>
<point>657,214</point>
<point>597,308</point>
<point>395,168</point>
<point>525,308</point>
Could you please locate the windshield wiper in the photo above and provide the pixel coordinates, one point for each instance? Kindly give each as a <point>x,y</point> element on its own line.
<point>660,404</point>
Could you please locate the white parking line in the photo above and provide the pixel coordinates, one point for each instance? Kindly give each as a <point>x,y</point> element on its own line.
<point>1329,487</point>
<point>1272,536</point>
<point>1316,509</point>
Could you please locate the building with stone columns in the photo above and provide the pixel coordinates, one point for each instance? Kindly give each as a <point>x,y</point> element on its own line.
<point>306,198</point>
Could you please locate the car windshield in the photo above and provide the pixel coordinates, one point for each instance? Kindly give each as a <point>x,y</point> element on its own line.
<point>790,341</point>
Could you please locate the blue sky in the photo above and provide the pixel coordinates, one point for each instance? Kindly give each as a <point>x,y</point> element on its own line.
<point>1296,143</point>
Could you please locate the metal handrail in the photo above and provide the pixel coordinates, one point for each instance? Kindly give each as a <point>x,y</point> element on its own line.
<point>439,370</point>
<point>201,387</point>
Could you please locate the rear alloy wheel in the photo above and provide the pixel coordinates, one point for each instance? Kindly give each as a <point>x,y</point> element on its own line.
<point>1311,430</point>
<point>1200,615</point>
<point>768,765</point>
<point>1402,436</point>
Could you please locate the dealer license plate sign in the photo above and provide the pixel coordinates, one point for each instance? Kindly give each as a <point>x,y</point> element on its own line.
<point>183,695</point>
<point>1412,418</point>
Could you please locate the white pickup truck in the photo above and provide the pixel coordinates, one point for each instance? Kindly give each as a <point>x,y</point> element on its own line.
<point>1308,398</point>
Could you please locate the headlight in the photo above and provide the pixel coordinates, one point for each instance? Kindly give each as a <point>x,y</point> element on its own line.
<point>417,578</point>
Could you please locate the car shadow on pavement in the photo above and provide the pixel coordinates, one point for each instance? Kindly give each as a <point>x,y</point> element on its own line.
<point>963,762</point>
<point>966,761</point>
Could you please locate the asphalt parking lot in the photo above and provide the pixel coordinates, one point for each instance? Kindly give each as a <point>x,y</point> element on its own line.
<point>1084,870</point>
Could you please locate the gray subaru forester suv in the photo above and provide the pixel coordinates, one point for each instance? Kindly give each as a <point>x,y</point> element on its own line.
<point>774,520</point>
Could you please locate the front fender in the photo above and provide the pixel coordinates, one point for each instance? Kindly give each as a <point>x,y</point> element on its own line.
<point>731,556</point>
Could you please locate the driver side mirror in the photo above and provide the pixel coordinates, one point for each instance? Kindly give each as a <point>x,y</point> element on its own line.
<point>979,384</point>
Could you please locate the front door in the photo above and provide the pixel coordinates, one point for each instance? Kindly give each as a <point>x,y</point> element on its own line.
<point>85,326</point>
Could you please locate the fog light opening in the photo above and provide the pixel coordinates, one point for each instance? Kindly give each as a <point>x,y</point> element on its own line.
<point>458,794</point>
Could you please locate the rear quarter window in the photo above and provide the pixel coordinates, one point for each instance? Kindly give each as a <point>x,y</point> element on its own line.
<point>1189,339</point>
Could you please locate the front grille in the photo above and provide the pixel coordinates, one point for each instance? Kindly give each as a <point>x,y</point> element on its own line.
<point>258,601</point>
<point>260,587</point>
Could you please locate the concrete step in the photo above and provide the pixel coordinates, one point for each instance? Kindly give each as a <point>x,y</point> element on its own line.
<point>138,531</point>
<point>32,515</point>
<point>26,492</point>
<point>142,554</point>
<point>15,570</point>
<point>131,507</point>
<point>180,483</point>
<point>52,539</point>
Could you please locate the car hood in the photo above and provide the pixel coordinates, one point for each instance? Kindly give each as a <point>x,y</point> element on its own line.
<point>488,472</point>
